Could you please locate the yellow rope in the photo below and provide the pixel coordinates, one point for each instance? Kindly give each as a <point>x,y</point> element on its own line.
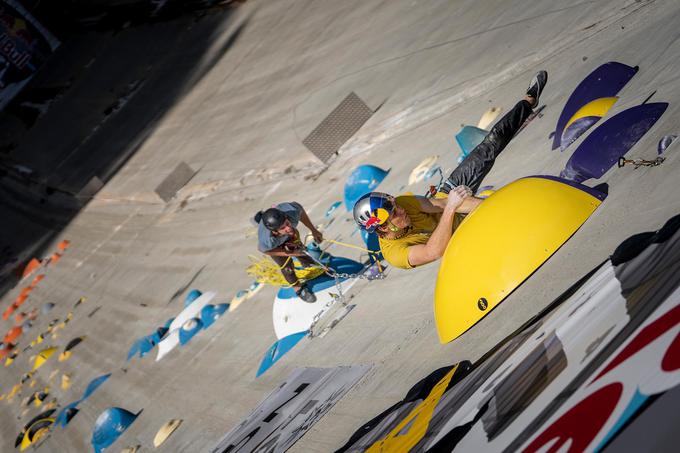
<point>344,244</point>
<point>268,272</point>
<point>352,246</point>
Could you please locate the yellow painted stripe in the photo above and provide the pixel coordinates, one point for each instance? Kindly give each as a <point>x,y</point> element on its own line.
<point>413,427</point>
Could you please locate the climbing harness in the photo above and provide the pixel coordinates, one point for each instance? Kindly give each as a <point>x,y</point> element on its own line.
<point>640,162</point>
<point>268,272</point>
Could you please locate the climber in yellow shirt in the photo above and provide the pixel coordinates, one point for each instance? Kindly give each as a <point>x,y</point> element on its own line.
<point>415,230</point>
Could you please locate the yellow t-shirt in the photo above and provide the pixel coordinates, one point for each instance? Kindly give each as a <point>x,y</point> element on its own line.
<point>395,251</point>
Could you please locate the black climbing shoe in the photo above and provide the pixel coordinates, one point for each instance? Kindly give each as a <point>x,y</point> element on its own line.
<point>536,86</point>
<point>305,294</point>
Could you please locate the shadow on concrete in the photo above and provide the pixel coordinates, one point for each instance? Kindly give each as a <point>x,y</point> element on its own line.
<point>90,108</point>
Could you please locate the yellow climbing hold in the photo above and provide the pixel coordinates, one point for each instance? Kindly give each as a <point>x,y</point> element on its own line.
<point>165,431</point>
<point>596,108</point>
<point>418,173</point>
<point>489,117</point>
<point>43,356</point>
<point>65,381</point>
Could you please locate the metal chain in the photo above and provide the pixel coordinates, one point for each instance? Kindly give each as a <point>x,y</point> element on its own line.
<point>339,297</point>
<point>338,275</point>
<point>362,276</point>
<point>640,162</point>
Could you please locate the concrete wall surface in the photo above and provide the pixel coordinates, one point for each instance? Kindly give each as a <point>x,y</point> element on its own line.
<point>232,92</point>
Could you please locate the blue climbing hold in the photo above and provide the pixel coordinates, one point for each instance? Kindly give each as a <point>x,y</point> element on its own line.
<point>189,329</point>
<point>373,244</point>
<point>254,286</point>
<point>192,296</point>
<point>66,414</point>
<point>468,138</point>
<point>433,171</point>
<point>315,252</point>
<point>278,350</point>
<point>94,385</point>
<point>109,426</point>
<point>70,410</point>
<point>332,208</point>
<point>159,334</point>
<point>146,344</point>
<point>210,314</point>
<point>364,179</point>
<point>135,348</point>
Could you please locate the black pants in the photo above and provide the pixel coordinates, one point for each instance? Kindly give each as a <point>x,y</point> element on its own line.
<point>288,269</point>
<point>478,163</point>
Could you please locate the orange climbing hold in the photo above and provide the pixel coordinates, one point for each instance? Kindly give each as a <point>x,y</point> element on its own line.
<point>19,300</point>
<point>37,280</point>
<point>54,259</point>
<point>9,312</point>
<point>4,352</point>
<point>12,335</point>
<point>31,267</point>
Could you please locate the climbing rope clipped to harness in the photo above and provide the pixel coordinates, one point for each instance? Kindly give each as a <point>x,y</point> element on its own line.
<point>266,271</point>
<point>363,275</point>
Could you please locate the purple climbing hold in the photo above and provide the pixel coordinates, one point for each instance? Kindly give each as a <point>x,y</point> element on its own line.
<point>605,81</point>
<point>665,142</point>
<point>602,149</point>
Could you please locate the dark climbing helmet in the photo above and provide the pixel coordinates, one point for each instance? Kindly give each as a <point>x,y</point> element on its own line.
<point>372,210</point>
<point>272,218</point>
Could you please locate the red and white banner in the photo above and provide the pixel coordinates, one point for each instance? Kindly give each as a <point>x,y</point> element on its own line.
<point>25,45</point>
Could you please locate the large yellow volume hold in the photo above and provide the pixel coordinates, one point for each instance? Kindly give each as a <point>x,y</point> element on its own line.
<point>510,235</point>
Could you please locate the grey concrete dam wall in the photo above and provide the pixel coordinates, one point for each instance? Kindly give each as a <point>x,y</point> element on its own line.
<point>228,94</point>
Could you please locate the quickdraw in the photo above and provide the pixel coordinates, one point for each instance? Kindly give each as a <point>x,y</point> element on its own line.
<point>432,191</point>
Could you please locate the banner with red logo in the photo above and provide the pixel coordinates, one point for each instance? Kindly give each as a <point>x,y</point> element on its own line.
<point>25,45</point>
